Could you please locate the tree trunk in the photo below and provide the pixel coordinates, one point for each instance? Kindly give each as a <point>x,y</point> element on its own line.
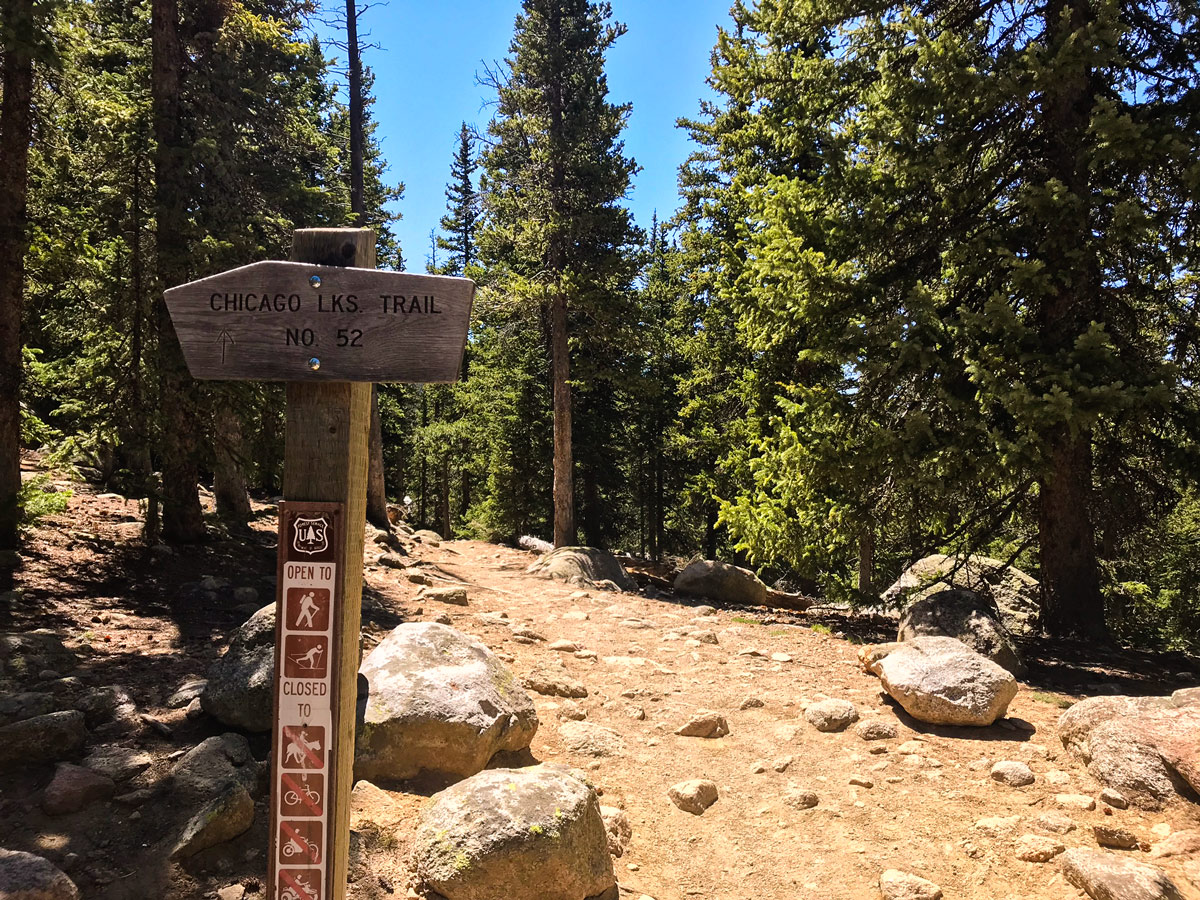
<point>15,133</point>
<point>229,480</point>
<point>140,453</point>
<point>710,530</point>
<point>356,115</point>
<point>445,528</point>
<point>866,562</point>
<point>424,458</point>
<point>1072,602</point>
<point>179,398</point>
<point>564,486</point>
<point>377,513</point>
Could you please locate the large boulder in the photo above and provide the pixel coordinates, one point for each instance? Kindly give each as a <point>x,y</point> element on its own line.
<point>24,876</point>
<point>506,833</point>
<point>942,681</point>
<point>583,564</point>
<point>26,654</point>
<point>1017,596</point>
<point>721,582</point>
<point>1113,876</point>
<point>967,616</point>
<point>47,738</point>
<point>240,683</point>
<point>439,702</point>
<point>1143,747</point>
<point>211,765</point>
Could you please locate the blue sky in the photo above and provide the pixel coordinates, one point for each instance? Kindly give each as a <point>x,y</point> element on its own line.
<point>426,65</point>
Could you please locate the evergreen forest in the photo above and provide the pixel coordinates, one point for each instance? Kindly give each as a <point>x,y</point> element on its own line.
<point>931,287</point>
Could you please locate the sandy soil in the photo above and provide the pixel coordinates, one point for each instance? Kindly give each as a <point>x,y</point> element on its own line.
<point>138,618</point>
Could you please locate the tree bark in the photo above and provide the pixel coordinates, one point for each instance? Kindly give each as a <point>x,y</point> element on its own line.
<point>179,397</point>
<point>357,207</point>
<point>229,480</point>
<point>866,562</point>
<point>1072,602</point>
<point>564,483</point>
<point>377,513</point>
<point>15,132</point>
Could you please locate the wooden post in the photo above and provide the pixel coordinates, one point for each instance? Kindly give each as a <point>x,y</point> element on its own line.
<point>325,459</point>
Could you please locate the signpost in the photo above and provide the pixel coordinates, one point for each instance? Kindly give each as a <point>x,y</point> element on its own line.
<point>328,324</point>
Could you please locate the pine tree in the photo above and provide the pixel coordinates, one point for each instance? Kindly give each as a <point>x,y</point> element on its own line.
<point>460,223</point>
<point>554,177</point>
<point>960,227</point>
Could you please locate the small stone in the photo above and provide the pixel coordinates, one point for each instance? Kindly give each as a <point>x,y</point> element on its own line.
<point>524,631</point>
<point>194,710</point>
<point>637,713</point>
<point>1012,773</point>
<point>1057,778</point>
<point>563,646</point>
<point>800,798</point>
<point>831,715</point>
<point>245,594</point>
<point>551,684</point>
<point>876,730</point>
<point>694,796</point>
<point>1037,848</point>
<point>572,711</point>
<point>1115,837</point>
<point>118,763</point>
<point>758,767</point>
<point>443,619</point>
<point>998,826</point>
<point>1181,843</point>
<point>704,610</point>
<point>187,692</point>
<point>1114,798</point>
<point>616,823</point>
<point>1055,823</point>
<point>781,764</point>
<point>1076,801</point>
<point>585,654</point>
<point>232,892</point>
<point>861,781</point>
<point>419,578</point>
<point>751,703</point>
<point>705,724</point>
<point>751,651</point>
<point>781,657</point>
<point>222,819</point>
<point>74,788</point>
<point>913,747</point>
<point>454,595</point>
<point>895,885</point>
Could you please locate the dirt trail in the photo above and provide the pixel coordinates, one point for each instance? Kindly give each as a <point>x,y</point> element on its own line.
<point>144,619</point>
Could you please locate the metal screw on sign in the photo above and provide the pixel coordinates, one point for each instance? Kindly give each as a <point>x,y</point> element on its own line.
<point>328,334</point>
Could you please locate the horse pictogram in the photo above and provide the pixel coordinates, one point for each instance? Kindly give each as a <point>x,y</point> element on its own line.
<point>303,747</point>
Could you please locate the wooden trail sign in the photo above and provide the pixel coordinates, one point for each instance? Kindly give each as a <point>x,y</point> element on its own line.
<point>269,321</point>
<point>327,324</point>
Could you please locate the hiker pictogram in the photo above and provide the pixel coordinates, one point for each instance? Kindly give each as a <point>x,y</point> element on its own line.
<point>298,885</point>
<point>305,656</point>
<point>308,609</point>
<point>302,795</point>
<point>303,747</point>
<point>300,843</point>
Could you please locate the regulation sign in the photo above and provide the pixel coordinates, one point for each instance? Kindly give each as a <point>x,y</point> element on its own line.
<point>290,321</point>
<point>309,538</point>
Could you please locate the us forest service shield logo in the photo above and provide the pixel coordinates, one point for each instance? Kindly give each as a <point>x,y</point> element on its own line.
<point>311,535</point>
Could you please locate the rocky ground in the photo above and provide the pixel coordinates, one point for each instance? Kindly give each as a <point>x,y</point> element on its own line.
<point>799,812</point>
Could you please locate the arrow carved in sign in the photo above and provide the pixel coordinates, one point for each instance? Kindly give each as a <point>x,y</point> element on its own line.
<point>226,339</point>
